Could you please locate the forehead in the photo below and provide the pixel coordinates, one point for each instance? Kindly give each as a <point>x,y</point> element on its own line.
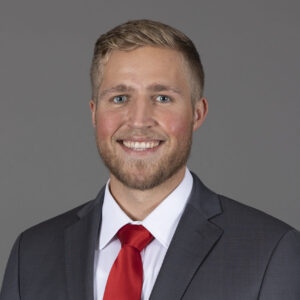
<point>145,65</point>
<point>151,51</point>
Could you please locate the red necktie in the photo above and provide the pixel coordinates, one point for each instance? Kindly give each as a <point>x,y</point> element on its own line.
<point>125,279</point>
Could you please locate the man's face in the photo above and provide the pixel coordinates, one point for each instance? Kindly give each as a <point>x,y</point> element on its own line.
<point>144,118</point>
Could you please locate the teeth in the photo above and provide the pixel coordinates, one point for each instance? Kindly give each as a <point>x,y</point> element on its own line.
<point>140,146</point>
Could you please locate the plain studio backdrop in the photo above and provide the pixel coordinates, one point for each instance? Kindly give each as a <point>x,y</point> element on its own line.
<point>247,149</point>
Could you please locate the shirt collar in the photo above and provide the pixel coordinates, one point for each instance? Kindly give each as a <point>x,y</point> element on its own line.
<point>161,222</point>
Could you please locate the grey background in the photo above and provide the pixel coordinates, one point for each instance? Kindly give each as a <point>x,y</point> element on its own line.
<point>247,149</point>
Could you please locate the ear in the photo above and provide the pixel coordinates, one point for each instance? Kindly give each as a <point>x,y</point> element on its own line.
<point>200,112</point>
<point>93,107</point>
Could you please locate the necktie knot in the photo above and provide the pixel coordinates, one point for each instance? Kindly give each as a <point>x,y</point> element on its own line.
<point>135,236</point>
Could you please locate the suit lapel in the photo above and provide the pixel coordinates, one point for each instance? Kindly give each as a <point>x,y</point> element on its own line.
<point>80,245</point>
<point>194,238</point>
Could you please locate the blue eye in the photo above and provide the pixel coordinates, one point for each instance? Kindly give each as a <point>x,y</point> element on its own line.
<point>120,99</point>
<point>163,99</point>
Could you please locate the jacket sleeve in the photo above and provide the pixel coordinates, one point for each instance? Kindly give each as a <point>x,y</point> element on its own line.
<point>282,276</point>
<point>10,285</point>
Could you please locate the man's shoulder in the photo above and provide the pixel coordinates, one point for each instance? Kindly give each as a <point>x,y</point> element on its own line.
<point>232,214</point>
<point>54,227</point>
<point>64,220</point>
<point>241,222</point>
<point>238,213</point>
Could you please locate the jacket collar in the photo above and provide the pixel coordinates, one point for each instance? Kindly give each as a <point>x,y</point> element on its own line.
<point>194,237</point>
<point>80,244</point>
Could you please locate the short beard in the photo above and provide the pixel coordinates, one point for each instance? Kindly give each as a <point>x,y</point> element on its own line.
<point>165,168</point>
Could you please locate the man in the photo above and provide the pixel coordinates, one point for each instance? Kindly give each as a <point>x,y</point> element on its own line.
<point>154,231</point>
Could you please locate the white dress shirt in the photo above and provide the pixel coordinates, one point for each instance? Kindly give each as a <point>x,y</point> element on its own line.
<point>161,223</point>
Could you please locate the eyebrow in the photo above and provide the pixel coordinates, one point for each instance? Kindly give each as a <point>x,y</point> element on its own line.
<point>120,88</point>
<point>155,87</point>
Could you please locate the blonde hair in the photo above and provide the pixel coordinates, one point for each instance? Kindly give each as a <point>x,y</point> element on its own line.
<point>138,33</point>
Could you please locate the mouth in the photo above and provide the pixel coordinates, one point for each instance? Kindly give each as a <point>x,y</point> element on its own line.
<point>140,146</point>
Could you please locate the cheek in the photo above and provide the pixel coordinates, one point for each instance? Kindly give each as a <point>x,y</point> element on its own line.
<point>106,124</point>
<point>178,125</point>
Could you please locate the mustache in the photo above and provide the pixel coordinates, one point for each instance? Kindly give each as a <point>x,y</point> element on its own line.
<point>142,133</point>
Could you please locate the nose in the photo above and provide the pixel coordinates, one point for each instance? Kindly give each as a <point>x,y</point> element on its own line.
<point>141,113</point>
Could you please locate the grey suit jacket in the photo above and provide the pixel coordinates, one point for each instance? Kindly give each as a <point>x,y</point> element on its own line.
<point>221,250</point>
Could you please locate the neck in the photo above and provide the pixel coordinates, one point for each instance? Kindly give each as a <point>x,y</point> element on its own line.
<point>139,204</point>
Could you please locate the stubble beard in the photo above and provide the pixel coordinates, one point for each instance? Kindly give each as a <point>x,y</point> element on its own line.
<point>148,174</point>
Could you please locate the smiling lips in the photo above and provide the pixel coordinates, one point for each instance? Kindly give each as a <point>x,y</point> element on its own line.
<point>140,146</point>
